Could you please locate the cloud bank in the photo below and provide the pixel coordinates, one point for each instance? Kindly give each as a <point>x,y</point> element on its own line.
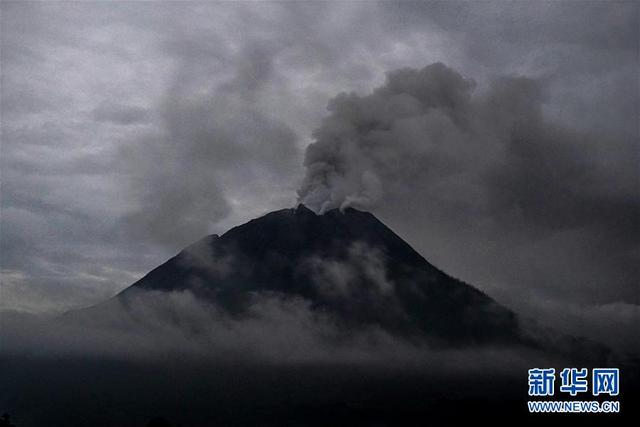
<point>275,329</point>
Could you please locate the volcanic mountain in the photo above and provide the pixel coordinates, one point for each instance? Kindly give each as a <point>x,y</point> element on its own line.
<point>214,337</point>
<point>348,264</point>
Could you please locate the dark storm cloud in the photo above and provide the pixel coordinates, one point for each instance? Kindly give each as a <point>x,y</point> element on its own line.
<point>120,114</point>
<point>209,139</point>
<point>596,24</point>
<point>587,51</point>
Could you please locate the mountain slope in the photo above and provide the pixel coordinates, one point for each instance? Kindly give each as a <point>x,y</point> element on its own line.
<point>347,264</point>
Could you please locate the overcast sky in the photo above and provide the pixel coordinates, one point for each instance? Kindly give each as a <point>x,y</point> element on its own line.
<point>130,129</point>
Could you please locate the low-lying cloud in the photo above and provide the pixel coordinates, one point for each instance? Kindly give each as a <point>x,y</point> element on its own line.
<point>274,329</point>
<point>176,356</point>
<point>340,278</point>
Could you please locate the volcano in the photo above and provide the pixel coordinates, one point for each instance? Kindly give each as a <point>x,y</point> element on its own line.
<point>348,264</point>
<point>187,343</point>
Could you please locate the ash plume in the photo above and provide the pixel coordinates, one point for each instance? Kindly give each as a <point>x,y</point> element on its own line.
<point>487,172</point>
<point>431,133</point>
<point>369,144</point>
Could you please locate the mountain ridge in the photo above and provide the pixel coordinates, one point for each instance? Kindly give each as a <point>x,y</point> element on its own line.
<point>346,263</point>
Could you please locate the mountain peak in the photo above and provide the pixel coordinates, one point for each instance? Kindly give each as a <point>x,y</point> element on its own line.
<point>301,209</point>
<point>344,263</point>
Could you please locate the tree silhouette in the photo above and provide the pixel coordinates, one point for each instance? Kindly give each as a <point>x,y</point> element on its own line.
<point>157,422</point>
<point>5,421</point>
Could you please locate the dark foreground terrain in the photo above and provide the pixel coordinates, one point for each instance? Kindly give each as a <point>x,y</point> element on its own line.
<point>87,393</point>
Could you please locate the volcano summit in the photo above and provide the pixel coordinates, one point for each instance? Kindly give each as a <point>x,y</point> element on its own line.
<point>348,264</point>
